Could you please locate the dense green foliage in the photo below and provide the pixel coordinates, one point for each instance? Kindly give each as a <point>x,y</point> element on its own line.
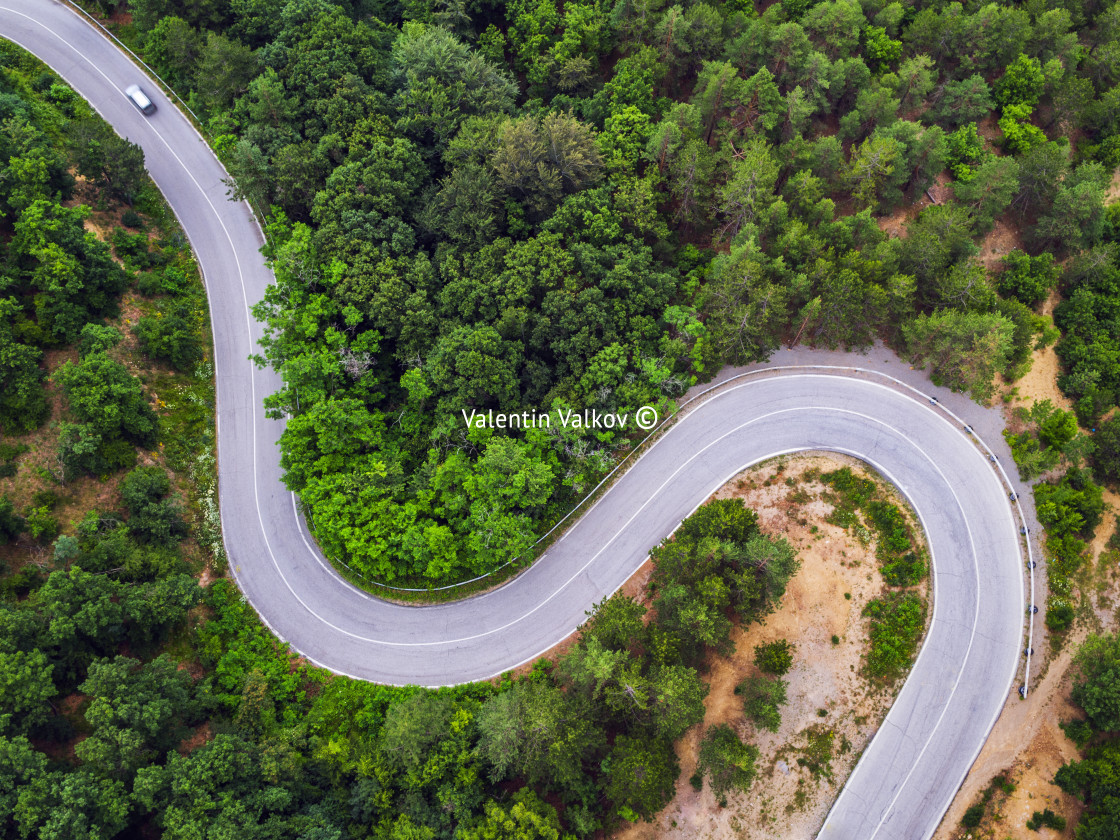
<point>1046,818</point>
<point>1039,448</point>
<point>726,761</point>
<point>1106,455</point>
<point>774,657</point>
<point>901,563</point>
<point>717,566</point>
<point>1070,508</point>
<point>59,281</point>
<point>133,701</point>
<point>536,206</point>
<point>763,698</point>
<point>1094,780</point>
<point>897,618</point>
<point>897,623</point>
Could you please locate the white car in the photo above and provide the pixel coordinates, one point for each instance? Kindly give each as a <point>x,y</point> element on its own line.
<point>140,100</point>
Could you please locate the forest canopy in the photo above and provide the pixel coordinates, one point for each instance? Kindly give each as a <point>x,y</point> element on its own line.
<point>538,206</point>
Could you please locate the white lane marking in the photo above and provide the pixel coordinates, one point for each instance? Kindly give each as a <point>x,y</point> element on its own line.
<point>925,647</point>
<point>578,572</point>
<point>198,253</point>
<point>252,374</point>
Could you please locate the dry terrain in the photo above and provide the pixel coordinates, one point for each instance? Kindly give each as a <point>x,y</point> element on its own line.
<point>832,709</point>
<point>1027,746</point>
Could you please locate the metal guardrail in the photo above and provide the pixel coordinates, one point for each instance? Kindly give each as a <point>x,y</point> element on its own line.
<point>692,401</point>
<point>167,89</point>
<point>170,91</point>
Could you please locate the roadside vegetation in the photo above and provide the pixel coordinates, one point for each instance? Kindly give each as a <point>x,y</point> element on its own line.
<point>1095,780</point>
<point>802,701</point>
<point>897,618</point>
<point>539,206</point>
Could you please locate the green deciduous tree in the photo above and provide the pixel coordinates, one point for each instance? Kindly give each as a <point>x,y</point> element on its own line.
<point>965,350</point>
<point>641,775</point>
<point>525,817</point>
<point>763,696</point>
<point>69,272</point>
<point>23,402</point>
<point>151,515</point>
<point>102,393</point>
<point>223,72</point>
<point>1021,84</point>
<point>112,162</point>
<point>75,805</point>
<point>1097,685</point>
<point>1106,454</point>
<point>727,762</point>
<point>20,765</point>
<point>137,713</point>
<point>1028,279</point>
<point>26,689</point>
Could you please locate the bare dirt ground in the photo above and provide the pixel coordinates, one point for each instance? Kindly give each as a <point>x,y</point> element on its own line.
<point>1112,194</point>
<point>786,799</point>
<point>1041,381</point>
<point>1027,744</point>
<point>1002,240</point>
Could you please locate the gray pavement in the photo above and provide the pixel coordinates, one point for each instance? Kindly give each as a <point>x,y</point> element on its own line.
<point>909,773</point>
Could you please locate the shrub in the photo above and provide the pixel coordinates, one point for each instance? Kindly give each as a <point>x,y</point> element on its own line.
<point>973,816</point>
<point>171,336</point>
<point>41,525</point>
<point>1078,731</point>
<point>11,523</point>
<point>762,698</point>
<point>97,338</point>
<point>642,774</point>
<point>1096,688</point>
<point>728,763</point>
<point>774,657</point>
<point>1106,455</point>
<point>9,454</point>
<point>152,517</point>
<point>1046,819</point>
<point>897,621</point>
<point>907,570</point>
<point>1028,279</point>
<point>131,249</point>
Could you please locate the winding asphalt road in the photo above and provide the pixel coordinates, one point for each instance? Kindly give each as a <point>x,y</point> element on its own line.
<point>908,774</point>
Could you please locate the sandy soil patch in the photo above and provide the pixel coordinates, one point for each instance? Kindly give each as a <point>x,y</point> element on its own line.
<point>1027,743</point>
<point>1108,526</point>
<point>786,799</point>
<point>1041,381</point>
<point>1113,192</point>
<point>1000,241</point>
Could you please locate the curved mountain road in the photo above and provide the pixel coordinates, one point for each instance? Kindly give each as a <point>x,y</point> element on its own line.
<point>908,774</point>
